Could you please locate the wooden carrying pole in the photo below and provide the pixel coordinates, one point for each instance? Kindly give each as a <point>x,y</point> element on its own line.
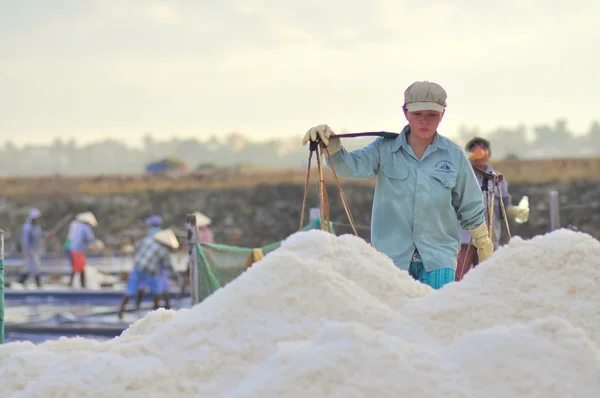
<point>318,149</point>
<point>489,202</point>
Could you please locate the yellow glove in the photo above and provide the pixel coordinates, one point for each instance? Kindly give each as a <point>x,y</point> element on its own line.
<point>522,213</point>
<point>482,241</point>
<point>324,132</point>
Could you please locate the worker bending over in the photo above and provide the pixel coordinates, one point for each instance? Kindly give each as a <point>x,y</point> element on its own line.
<point>154,253</point>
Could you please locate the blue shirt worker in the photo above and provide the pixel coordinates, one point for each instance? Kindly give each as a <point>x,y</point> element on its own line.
<point>426,189</point>
<point>138,281</point>
<point>31,237</point>
<point>152,255</point>
<point>154,224</point>
<point>82,240</point>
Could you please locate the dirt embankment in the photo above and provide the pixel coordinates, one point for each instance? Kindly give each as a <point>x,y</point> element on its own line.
<point>254,215</point>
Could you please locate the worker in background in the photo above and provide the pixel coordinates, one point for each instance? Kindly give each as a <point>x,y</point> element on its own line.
<point>205,234</point>
<point>69,240</point>
<point>425,188</point>
<point>161,281</point>
<point>154,224</point>
<point>479,152</point>
<point>31,237</point>
<point>153,254</point>
<point>138,281</point>
<point>83,239</point>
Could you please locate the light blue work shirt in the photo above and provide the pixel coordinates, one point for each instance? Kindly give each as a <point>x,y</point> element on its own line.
<point>418,204</point>
<point>30,237</point>
<point>153,230</point>
<point>82,237</point>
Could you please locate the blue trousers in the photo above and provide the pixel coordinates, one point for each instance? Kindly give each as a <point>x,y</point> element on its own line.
<point>436,279</point>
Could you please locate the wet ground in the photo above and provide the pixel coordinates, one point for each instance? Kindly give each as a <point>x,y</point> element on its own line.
<point>42,315</point>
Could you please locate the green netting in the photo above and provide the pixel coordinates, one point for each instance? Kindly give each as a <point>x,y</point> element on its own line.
<point>220,264</point>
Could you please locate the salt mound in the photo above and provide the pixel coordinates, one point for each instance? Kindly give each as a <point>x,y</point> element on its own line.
<point>554,274</point>
<point>148,324</point>
<point>546,358</point>
<point>331,316</point>
<point>362,265</point>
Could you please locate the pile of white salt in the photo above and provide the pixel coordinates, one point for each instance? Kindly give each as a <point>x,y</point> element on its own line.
<point>330,316</point>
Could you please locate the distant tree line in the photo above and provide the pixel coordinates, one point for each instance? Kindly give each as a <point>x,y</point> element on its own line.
<point>547,141</point>
<point>112,156</point>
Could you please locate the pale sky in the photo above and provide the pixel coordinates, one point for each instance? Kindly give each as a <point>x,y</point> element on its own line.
<point>120,68</point>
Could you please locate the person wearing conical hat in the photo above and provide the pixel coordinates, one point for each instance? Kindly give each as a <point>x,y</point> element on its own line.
<point>137,282</point>
<point>205,234</point>
<point>82,240</point>
<point>153,254</point>
<point>69,240</point>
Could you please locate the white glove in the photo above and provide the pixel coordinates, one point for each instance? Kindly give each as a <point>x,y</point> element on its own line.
<point>482,241</point>
<point>518,212</point>
<point>324,132</point>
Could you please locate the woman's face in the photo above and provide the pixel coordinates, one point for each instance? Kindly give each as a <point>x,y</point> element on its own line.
<point>424,124</point>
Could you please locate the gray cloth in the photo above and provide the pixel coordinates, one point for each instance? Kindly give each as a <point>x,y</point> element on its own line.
<point>33,263</point>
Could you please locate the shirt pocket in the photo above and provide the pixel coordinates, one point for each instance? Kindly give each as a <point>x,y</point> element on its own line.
<point>396,175</point>
<point>441,186</point>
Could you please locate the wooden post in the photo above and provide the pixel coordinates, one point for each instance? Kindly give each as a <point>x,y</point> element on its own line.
<point>192,231</point>
<point>554,211</point>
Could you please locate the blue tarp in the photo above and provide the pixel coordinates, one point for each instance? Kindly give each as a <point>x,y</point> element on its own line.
<point>158,167</point>
<point>164,165</point>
